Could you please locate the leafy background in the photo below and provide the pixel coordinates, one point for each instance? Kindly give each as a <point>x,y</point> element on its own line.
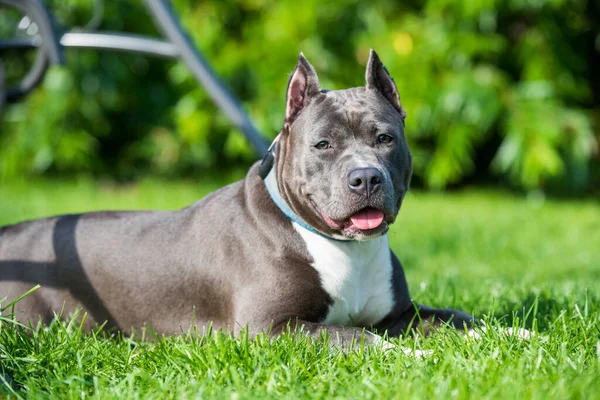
<point>497,92</point>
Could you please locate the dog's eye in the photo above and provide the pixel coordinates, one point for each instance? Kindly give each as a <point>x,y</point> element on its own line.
<point>384,139</point>
<point>323,144</point>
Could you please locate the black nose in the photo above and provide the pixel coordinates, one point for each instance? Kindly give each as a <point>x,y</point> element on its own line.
<point>365,181</point>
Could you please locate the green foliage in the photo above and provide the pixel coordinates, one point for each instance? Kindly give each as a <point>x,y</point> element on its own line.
<point>489,85</point>
<point>473,250</point>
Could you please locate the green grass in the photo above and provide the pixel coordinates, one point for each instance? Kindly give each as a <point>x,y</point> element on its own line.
<point>509,259</point>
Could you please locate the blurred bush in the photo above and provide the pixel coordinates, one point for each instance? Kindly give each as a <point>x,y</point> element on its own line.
<point>495,90</point>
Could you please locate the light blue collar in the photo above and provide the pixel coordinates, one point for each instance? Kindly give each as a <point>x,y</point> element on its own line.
<point>273,189</point>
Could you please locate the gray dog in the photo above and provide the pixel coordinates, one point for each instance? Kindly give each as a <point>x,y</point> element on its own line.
<point>301,241</point>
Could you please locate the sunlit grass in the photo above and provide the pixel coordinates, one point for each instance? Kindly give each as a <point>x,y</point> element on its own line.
<point>511,260</point>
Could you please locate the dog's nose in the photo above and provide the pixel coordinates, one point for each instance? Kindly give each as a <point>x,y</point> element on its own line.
<point>365,181</point>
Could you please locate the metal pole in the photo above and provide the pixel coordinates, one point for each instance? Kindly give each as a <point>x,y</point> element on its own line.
<point>1,88</point>
<point>167,21</point>
<point>112,41</point>
<point>120,42</point>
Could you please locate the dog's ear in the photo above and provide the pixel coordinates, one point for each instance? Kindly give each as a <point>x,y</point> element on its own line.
<point>303,85</point>
<point>378,78</point>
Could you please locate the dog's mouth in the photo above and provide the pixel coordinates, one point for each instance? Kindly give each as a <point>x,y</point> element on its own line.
<point>366,220</point>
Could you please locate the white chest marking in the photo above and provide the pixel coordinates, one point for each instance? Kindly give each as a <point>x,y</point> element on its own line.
<point>357,276</point>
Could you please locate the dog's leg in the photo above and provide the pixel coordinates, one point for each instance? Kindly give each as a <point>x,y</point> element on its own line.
<point>409,316</point>
<point>422,319</point>
<point>346,338</point>
<point>341,337</point>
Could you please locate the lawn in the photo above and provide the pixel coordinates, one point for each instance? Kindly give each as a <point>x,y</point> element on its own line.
<point>510,259</point>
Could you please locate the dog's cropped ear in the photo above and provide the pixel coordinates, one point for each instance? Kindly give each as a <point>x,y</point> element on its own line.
<point>378,78</point>
<point>302,87</point>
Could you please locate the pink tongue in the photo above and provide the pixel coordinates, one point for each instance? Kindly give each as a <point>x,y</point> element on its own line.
<point>369,218</point>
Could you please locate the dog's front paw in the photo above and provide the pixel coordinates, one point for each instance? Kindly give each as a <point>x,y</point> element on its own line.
<point>415,353</point>
<point>386,345</point>
<point>520,333</point>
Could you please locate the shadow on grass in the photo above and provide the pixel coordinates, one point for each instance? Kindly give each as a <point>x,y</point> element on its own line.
<point>540,311</point>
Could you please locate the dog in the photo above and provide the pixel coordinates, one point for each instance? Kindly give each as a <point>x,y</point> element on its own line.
<point>301,242</point>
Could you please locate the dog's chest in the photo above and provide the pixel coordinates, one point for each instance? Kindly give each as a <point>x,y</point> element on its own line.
<point>357,276</point>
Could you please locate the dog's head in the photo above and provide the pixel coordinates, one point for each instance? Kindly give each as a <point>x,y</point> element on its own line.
<point>342,162</point>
